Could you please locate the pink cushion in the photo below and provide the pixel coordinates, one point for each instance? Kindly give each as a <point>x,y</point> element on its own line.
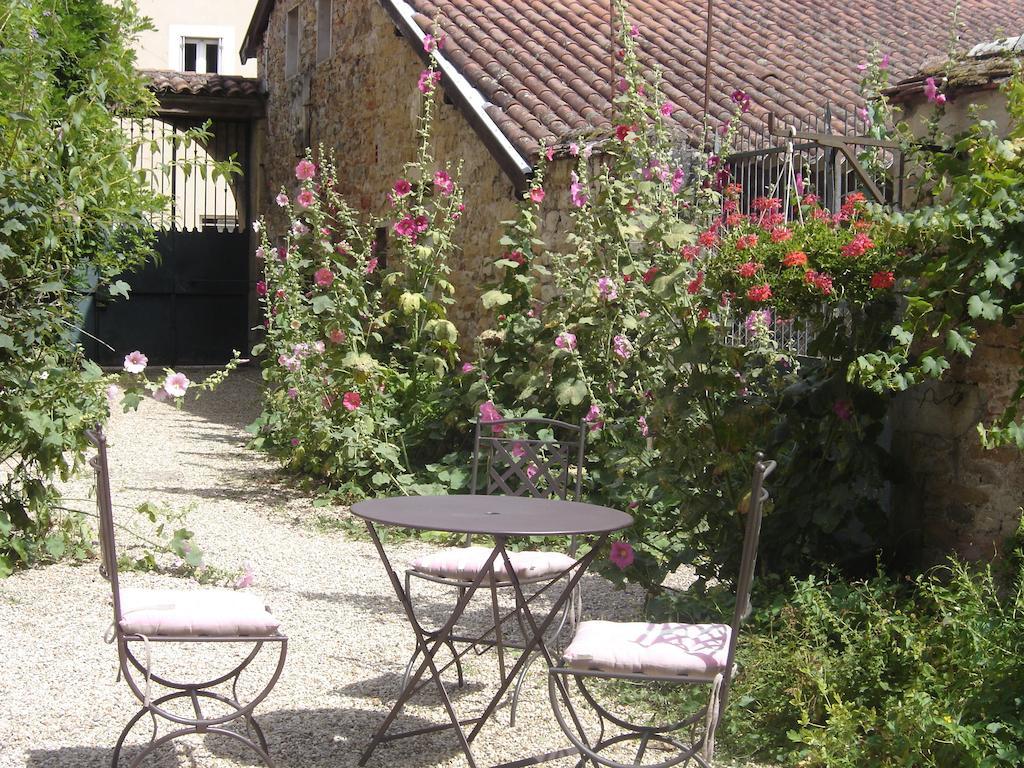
<point>466,562</point>
<point>652,649</point>
<point>205,612</point>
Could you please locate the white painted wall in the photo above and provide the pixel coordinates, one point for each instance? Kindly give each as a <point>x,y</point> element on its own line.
<point>174,19</point>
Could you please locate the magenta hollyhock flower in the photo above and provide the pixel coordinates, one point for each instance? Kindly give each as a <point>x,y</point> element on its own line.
<point>843,409</point>
<point>667,109</point>
<point>402,187</point>
<point>421,223</point>
<point>537,195</point>
<point>428,80</point>
<point>621,554</point>
<point>678,178</point>
<point>281,199</point>
<point>323,277</point>
<point>304,198</point>
<point>176,384</point>
<point>645,430</point>
<point>444,183</point>
<point>305,170</point>
<point>741,100</point>
<point>294,442</point>
<point>762,316</point>
<point>518,451</point>
<point>406,227</point>
<point>931,91</point>
<point>371,266</point>
<point>292,393</point>
<point>884,63</point>
<point>468,367</point>
<point>622,346</point>
<point>489,414</point>
<point>429,43</point>
<point>135,362</point>
<point>566,340</point>
<point>593,417</point>
<point>351,400</point>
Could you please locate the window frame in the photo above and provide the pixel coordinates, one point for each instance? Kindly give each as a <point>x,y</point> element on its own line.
<point>292,39</point>
<point>324,36</point>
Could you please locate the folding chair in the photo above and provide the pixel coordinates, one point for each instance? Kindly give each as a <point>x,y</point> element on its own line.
<point>144,617</point>
<point>683,654</point>
<point>541,458</point>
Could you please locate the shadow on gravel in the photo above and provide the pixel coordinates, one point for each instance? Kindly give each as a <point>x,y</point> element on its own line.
<point>385,687</point>
<point>91,757</point>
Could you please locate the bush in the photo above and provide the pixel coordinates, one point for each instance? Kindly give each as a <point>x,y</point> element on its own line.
<point>924,672</point>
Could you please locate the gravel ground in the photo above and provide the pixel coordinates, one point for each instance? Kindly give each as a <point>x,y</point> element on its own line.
<point>61,707</point>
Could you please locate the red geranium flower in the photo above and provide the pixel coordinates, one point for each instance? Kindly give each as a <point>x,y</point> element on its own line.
<point>760,293</point>
<point>882,280</point>
<point>748,269</point>
<point>649,275</point>
<point>746,241</point>
<point>794,259</point>
<point>696,283</point>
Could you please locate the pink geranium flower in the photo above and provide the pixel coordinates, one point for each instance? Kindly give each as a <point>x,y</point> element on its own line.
<point>305,170</point>
<point>351,401</point>
<point>304,198</point>
<point>323,277</point>
<point>622,554</point>
<point>176,384</point>
<point>135,362</point>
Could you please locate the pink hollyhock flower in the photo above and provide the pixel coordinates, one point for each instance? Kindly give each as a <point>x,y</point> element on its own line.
<point>292,393</point>
<point>606,289</point>
<point>579,199</point>
<point>324,277</point>
<point>667,109</point>
<point>489,414</point>
<point>864,115</point>
<point>428,81</point>
<point>621,554</point>
<point>622,347</point>
<point>319,347</point>
<point>402,187</point>
<point>371,266</point>
<point>574,149</point>
<point>421,223</point>
<point>549,153</point>
<point>299,229</point>
<point>537,195</point>
<point>468,367</point>
<point>248,576</point>
<point>931,90</point>
<point>305,170</point>
<point>748,269</point>
<point>518,451</point>
<point>884,63</point>
<point>135,362</point>
<point>444,183</point>
<point>113,395</point>
<point>566,340</point>
<point>531,471</point>
<point>741,100</point>
<point>290,363</point>
<point>644,429</point>
<point>304,198</point>
<point>757,316</point>
<point>457,213</point>
<point>294,442</point>
<point>882,280</point>
<point>337,336</point>
<point>406,227</point>
<point>843,409</point>
<point>862,67</point>
<point>623,85</point>
<point>593,415</point>
<point>634,30</point>
<point>429,43</point>
<point>678,179</point>
<point>176,384</point>
<point>281,199</point>
<point>759,293</point>
<point>351,401</point>
<point>260,254</point>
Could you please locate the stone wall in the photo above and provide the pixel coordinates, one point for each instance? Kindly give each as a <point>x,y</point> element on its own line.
<point>362,102</point>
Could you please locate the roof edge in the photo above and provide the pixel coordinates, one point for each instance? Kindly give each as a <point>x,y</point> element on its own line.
<point>257,27</point>
<point>465,96</point>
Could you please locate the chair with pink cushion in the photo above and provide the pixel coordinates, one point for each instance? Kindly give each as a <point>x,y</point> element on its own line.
<point>143,617</point>
<point>642,652</point>
<point>540,458</point>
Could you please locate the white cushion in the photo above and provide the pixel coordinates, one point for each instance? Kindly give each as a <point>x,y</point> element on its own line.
<point>466,562</point>
<point>651,649</point>
<point>205,612</point>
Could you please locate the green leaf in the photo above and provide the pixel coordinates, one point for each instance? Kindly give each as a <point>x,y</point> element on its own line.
<point>495,298</point>
<point>322,304</point>
<point>410,302</point>
<point>981,305</point>
<point>955,342</point>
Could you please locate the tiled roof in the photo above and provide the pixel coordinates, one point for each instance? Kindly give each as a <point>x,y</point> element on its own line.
<point>167,82</point>
<point>544,66</point>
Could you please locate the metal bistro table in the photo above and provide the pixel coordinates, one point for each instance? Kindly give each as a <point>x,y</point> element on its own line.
<point>501,517</point>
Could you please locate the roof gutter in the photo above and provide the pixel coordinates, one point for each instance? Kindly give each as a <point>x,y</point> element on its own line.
<point>467,98</point>
<point>257,28</point>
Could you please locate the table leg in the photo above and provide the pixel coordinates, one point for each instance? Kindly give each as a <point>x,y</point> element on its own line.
<point>428,652</point>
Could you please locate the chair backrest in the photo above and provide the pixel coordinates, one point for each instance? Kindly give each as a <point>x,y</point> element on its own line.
<point>541,458</point>
<point>108,548</point>
<point>752,533</point>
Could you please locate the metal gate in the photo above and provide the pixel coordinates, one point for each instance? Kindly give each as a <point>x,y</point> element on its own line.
<point>190,305</point>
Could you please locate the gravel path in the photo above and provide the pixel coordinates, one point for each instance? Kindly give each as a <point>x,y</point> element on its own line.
<point>61,707</point>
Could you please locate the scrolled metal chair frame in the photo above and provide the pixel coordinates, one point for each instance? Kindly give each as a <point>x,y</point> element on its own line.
<point>695,750</point>
<point>129,662</point>
<point>515,480</point>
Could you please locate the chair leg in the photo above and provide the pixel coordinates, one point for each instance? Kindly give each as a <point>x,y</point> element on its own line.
<point>260,751</point>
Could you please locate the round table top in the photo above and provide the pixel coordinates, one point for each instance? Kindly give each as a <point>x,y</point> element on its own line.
<point>493,515</point>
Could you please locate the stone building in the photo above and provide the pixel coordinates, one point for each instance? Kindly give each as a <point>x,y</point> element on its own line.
<point>517,74</point>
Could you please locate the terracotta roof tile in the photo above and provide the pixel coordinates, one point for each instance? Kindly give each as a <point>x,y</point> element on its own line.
<point>548,64</point>
<point>201,84</point>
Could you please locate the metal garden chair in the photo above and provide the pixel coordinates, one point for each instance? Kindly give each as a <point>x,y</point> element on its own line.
<point>542,458</point>
<point>143,617</point>
<point>682,654</point>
